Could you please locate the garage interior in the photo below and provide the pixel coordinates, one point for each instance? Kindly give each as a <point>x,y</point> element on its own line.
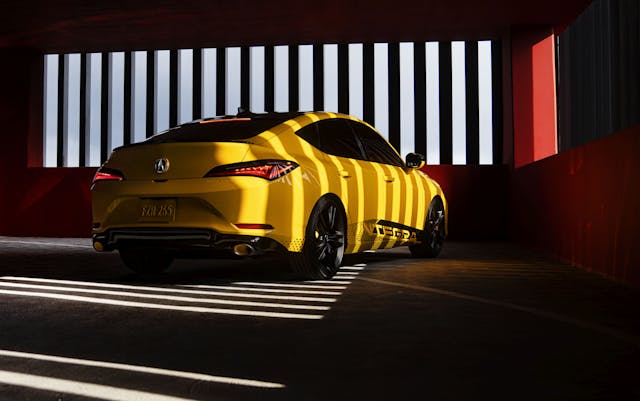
<point>534,297</point>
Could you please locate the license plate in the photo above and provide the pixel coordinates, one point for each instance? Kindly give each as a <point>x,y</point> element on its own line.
<point>157,210</point>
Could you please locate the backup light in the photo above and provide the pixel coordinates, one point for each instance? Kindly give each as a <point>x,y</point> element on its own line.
<point>267,169</point>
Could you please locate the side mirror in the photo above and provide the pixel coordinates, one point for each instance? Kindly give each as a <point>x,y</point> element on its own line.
<point>415,160</point>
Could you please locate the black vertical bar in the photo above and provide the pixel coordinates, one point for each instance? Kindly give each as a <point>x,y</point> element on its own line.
<point>82,123</point>
<point>420,96</point>
<point>221,80</point>
<point>173,88</point>
<point>197,84</point>
<point>151,71</point>
<point>126,119</point>
<point>294,95</point>
<point>472,102</point>
<point>394,94</point>
<point>368,81</point>
<point>104,108</point>
<point>318,77</point>
<point>245,79</point>
<point>269,72</point>
<point>496,100</point>
<point>343,78</point>
<point>446,129</point>
<point>60,143</point>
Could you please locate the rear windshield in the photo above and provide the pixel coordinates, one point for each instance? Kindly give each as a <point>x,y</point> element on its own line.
<point>229,130</point>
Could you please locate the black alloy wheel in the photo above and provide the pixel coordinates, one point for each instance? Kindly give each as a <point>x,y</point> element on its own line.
<point>432,238</point>
<point>325,241</point>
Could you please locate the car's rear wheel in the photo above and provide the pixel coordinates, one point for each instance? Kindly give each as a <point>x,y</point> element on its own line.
<point>432,238</point>
<point>325,240</point>
<point>146,261</point>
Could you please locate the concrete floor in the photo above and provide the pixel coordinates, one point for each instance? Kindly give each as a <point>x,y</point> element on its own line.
<point>483,321</point>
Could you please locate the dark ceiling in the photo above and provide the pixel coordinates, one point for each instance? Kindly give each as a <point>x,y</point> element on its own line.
<point>99,25</point>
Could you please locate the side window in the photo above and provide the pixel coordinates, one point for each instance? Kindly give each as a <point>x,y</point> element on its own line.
<point>376,148</point>
<point>310,134</point>
<point>337,138</point>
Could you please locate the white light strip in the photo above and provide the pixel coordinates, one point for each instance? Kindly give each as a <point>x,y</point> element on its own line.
<point>143,369</point>
<point>329,282</point>
<point>270,290</point>
<point>164,297</point>
<point>327,287</point>
<point>145,305</point>
<point>83,389</point>
<point>351,268</point>
<point>161,289</point>
<point>4,241</point>
<point>339,277</point>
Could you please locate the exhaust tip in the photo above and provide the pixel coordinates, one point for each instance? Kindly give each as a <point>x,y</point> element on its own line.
<point>243,250</point>
<point>98,246</point>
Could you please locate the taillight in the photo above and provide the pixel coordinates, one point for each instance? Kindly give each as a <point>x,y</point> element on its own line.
<point>267,169</point>
<point>107,174</point>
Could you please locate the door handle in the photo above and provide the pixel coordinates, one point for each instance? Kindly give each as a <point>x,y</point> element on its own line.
<point>344,174</point>
<point>389,178</point>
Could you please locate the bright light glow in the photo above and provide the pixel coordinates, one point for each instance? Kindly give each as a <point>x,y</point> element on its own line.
<point>433,102</point>
<point>50,109</point>
<point>458,103</point>
<point>181,291</point>
<point>161,106</point>
<point>116,100</point>
<point>233,78</point>
<point>256,80</point>
<point>41,243</point>
<point>281,78</point>
<point>485,100</point>
<point>381,88</point>
<point>305,77</point>
<point>83,389</point>
<point>219,287</point>
<point>356,85</point>
<point>330,78</point>
<point>329,282</point>
<point>164,297</point>
<point>208,82</point>
<point>130,304</point>
<point>185,85</point>
<point>358,268</point>
<point>142,369</point>
<point>72,109</point>
<point>407,102</point>
<point>290,285</point>
<point>139,101</point>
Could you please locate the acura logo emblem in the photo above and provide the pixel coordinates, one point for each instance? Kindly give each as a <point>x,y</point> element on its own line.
<point>162,165</point>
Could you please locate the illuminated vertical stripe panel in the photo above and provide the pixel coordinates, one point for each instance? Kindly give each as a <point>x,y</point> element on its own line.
<point>256,79</point>
<point>441,99</point>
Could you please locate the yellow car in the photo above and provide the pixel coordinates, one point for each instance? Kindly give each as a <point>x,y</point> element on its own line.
<point>313,185</point>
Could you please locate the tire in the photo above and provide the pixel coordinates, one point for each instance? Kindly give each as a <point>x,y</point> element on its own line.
<point>325,241</point>
<point>146,261</point>
<point>432,238</point>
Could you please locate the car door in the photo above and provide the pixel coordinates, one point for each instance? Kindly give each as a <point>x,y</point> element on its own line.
<point>396,188</point>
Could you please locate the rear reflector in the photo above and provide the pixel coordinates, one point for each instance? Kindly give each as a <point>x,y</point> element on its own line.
<point>245,226</point>
<point>267,169</point>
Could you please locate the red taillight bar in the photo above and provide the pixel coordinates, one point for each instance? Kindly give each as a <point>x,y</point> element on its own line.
<point>107,174</point>
<point>267,169</point>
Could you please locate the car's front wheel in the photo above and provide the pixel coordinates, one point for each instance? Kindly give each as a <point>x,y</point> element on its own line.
<point>146,261</point>
<point>432,238</point>
<point>325,240</point>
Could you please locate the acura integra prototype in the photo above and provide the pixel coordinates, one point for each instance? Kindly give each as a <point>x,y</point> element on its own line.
<point>313,186</point>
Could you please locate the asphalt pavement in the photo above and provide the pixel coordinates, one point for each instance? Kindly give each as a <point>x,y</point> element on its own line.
<point>483,321</point>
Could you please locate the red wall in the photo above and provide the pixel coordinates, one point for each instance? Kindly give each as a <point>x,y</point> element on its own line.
<point>583,205</point>
<point>34,201</point>
<point>534,96</point>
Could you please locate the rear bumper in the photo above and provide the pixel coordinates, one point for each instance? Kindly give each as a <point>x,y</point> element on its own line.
<point>181,240</point>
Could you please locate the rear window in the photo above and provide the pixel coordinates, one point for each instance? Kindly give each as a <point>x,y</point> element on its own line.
<point>221,130</point>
